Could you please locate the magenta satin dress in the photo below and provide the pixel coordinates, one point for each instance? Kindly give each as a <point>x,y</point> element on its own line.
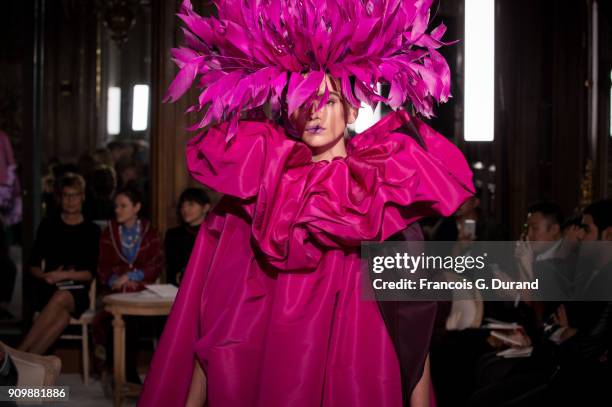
<point>270,302</point>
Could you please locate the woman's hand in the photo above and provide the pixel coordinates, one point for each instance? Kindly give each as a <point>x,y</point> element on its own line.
<point>119,282</point>
<point>131,285</point>
<point>54,276</point>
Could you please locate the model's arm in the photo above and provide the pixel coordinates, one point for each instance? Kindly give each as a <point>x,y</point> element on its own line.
<point>420,394</point>
<point>197,391</point>
<point>236,168</point>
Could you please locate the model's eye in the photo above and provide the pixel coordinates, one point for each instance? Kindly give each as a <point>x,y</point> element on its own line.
<point>331,102</point>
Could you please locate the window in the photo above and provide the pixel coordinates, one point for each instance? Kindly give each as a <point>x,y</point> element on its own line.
<point>479,103</point>
<point>140,108</point>
<point>113,111</point>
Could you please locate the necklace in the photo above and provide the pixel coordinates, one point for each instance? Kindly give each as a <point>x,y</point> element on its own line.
<point>130,237</point>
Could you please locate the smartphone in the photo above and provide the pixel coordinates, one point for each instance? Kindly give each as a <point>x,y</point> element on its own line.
<point>469,228</point>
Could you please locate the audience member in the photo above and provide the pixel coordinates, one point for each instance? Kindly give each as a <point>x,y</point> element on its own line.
<point>570,364</point>
<point>101,186</point>
<point>64,262</point>
<point>130,257</point>
<point>193,206</point>
<point>8,273</point>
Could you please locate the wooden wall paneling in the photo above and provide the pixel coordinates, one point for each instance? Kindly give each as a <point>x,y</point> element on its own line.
<point>49,118</point>
<point>169,174</point>
<point>518,64</point>
<point>541,120</point>
<point>569,66</point>
<point>603,175</point>
<point>33,59</point>
<point>70,118</point>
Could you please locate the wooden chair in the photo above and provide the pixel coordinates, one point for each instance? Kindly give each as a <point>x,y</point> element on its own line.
<point>465,313</point>
<point>84,321</point>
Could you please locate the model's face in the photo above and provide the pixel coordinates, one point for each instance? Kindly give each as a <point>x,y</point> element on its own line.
<point>193,213</point>
<point>541,232</point>
<point>72,200</point>
<point>322,128</point>
<point>125,210</point>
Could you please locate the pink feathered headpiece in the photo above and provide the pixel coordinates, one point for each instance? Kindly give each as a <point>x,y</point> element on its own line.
<point>256,49</point>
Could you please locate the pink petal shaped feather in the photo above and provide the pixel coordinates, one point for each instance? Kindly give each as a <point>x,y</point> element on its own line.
<point>255,50</point>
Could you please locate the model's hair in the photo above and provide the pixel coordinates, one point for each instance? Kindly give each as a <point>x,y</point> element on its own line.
<point>132,192</point>
<point>70,180</point>
<point>601,212</point>
<point>549,210</point>
<point>285,120</point>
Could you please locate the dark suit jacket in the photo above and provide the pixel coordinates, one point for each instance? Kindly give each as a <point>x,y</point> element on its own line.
<point>9,376</point>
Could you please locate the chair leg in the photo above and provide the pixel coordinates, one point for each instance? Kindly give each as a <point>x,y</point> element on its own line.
<point>85,354</point>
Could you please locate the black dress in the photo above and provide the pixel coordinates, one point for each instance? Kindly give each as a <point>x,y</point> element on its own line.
<point>178,243</point>
<point>75,247</point>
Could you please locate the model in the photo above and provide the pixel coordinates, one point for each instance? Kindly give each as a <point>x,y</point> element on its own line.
<point>269,312</point>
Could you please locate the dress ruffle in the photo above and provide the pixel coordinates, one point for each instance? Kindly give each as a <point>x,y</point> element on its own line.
<point>386,182</point>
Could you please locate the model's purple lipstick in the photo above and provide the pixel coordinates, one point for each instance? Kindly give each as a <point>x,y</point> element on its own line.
<point>315,129</point>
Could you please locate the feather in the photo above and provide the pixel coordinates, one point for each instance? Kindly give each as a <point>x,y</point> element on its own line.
<point>256,51</point>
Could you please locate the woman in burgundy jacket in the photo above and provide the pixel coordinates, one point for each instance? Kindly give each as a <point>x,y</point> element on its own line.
<point>130,257</point>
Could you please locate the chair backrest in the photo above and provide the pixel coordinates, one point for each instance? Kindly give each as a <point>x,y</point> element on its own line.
<point>92,295</point>
<point>465,313</point>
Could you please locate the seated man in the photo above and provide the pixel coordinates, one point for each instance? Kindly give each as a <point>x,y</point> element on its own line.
<point>574,367</point>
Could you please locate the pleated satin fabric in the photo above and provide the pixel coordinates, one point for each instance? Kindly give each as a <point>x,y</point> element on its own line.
<point>270,302</point>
